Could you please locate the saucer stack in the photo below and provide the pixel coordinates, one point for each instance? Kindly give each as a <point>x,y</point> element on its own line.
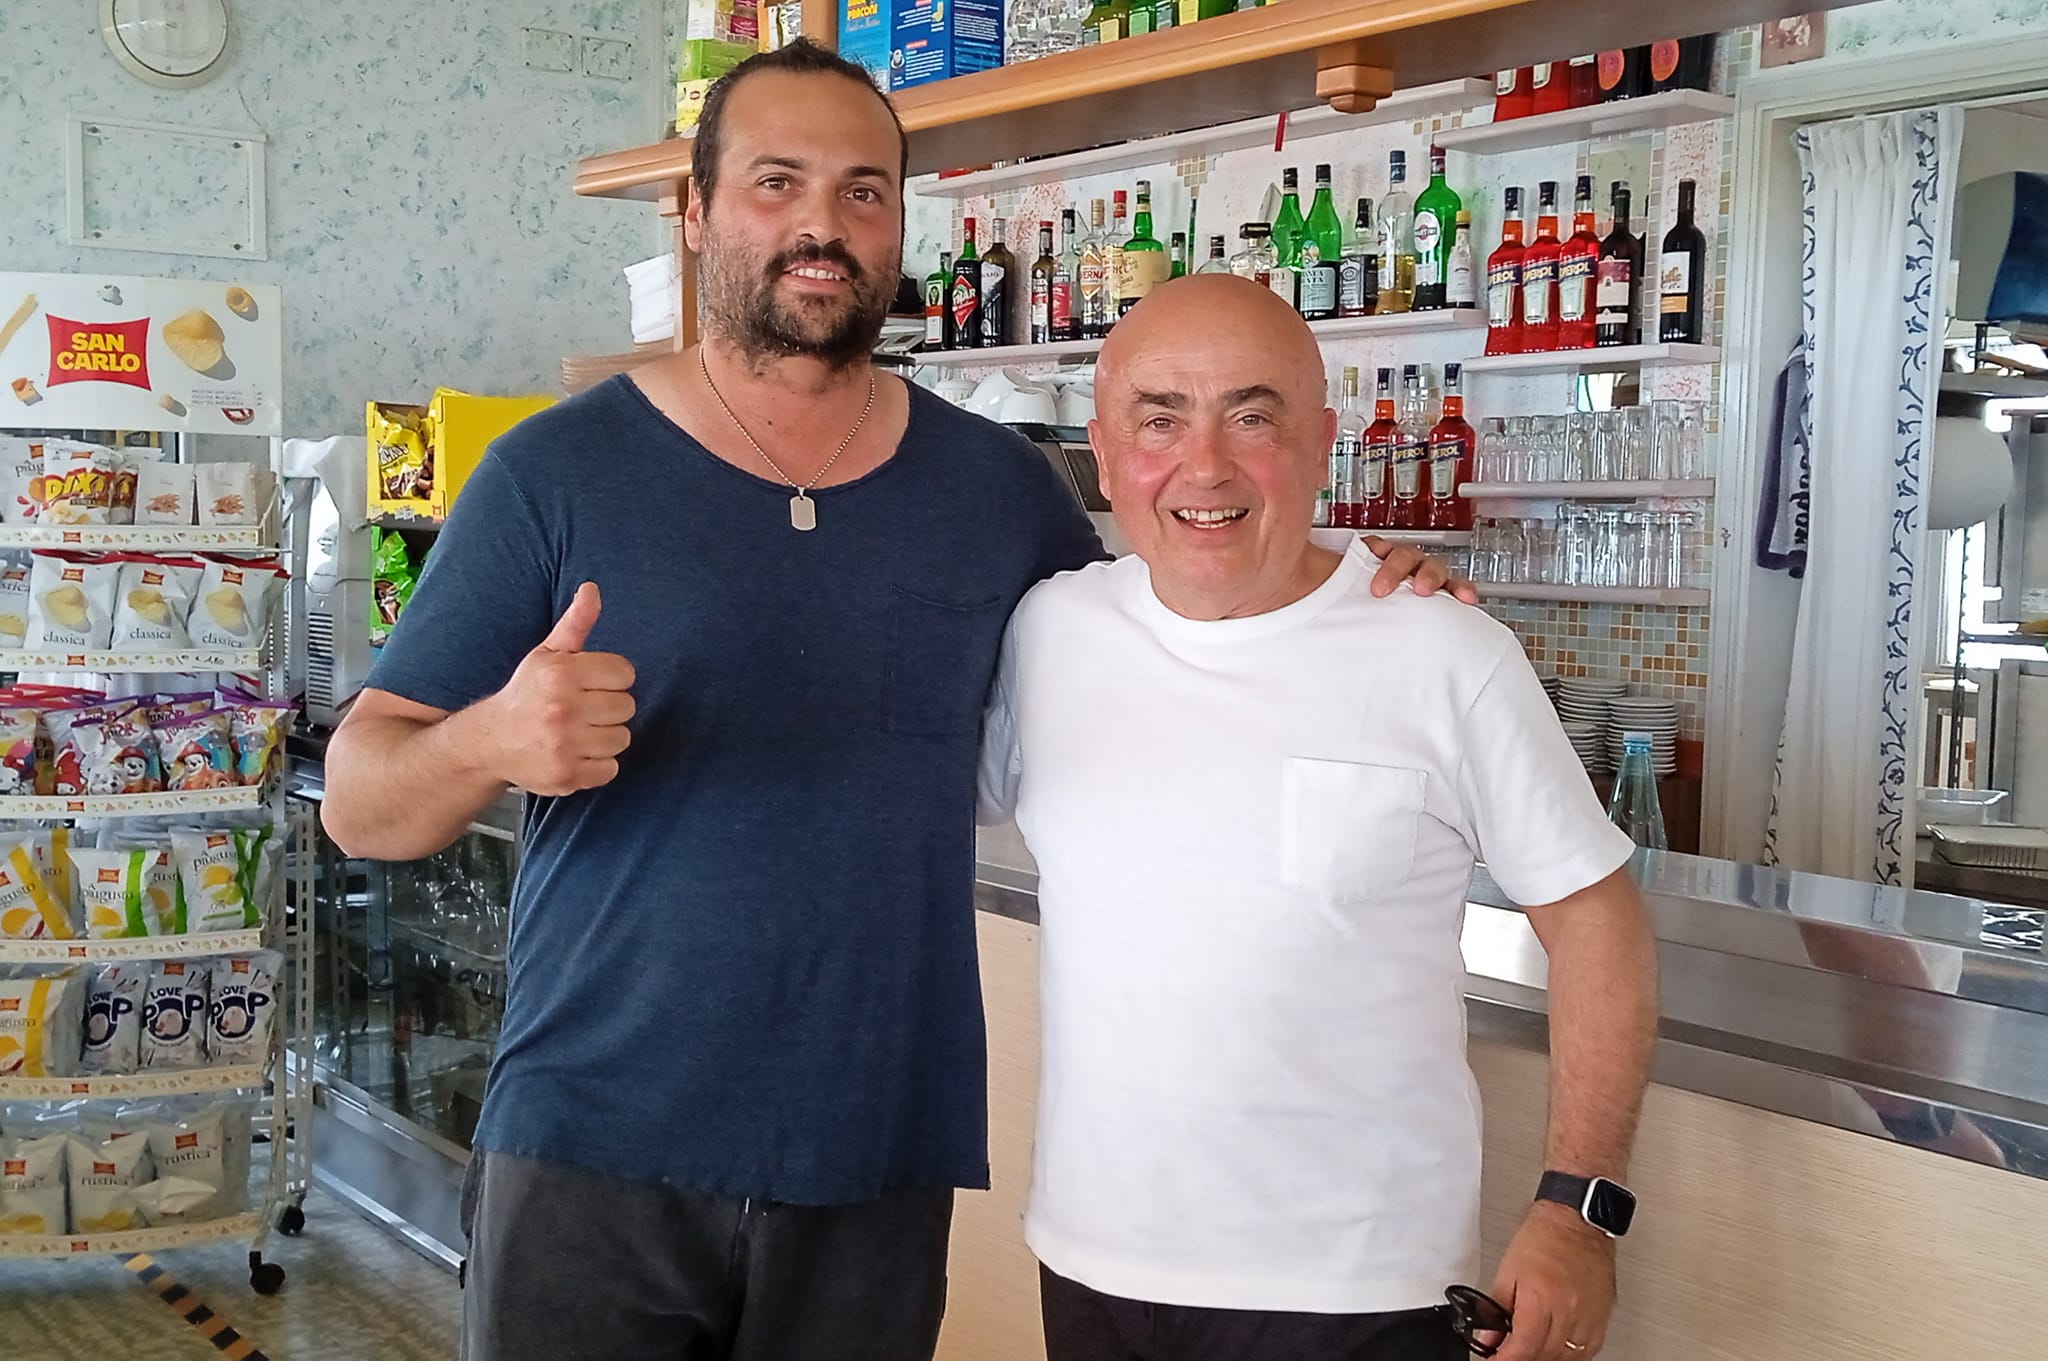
<point>1585,703</point>
<point>1656,717</point>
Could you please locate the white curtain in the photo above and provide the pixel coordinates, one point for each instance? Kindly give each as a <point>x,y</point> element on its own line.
<point>1879,202</point>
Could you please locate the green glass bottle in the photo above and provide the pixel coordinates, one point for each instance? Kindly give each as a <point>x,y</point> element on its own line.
<point>1322,253</point>
<point>1107,21</point>
<point>1436,235</point>
<point>1145,263</point>
<point>1288,229</point>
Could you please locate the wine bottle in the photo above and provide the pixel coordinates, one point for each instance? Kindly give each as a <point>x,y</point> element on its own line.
<point>1621,271</point>
<point>1681,277</point>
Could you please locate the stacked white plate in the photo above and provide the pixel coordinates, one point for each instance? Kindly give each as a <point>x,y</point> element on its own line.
<point>1586,701</point>
<point>1586,739</point>
<point>1656,717</point>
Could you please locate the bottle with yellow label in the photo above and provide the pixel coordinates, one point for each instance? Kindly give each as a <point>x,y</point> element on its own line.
<point>1144,263</point>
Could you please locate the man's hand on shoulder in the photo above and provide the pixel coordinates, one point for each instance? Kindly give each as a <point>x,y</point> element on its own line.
<point>559,725</point>
<point>1401,562</point>
<point>1557,1280</point>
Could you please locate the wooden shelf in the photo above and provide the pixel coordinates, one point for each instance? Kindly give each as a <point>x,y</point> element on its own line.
<point>1343,328</point>
<point>1595,361</point>
<point>1450,96</point>
<point>1670,109</point>
<point>1698,489</point>
<point>1596,595</point>
<point>1252,64</point>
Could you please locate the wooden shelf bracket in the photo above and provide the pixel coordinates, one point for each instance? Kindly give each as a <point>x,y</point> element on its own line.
<point>1349,80</point>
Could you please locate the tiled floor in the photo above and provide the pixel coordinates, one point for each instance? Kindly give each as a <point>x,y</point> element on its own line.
<point>352,1293</point>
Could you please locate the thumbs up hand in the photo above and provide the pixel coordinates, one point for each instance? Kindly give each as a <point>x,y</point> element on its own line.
<point>563,714</point>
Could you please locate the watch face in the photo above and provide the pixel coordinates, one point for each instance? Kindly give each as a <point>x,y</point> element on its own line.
<point>1610,1206</point>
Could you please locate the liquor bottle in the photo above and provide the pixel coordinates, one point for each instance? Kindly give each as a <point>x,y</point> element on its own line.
<point>1139,21</point>
<point>1165,15</point>
<point>1551,92</point>
<point>1219,259</point>
<point>1255,260</point>
<point>967,330</point>
<point>1322,253</point>
<point>1093,277</point>
<point>1462,290</point>
<point>938,286</point>
<point>1682,63</point>
<point>1578,269</point>
<point>1397,239</point>
<point>1621,275</point>
<point>1346,507</point>
<point>999,319</point>
<point>1380,444</point>
<point>1107,21</point>
<point>1044,270</point>
<point>1411,455</point>
<point>1583,80</point>
<point>1504,282</point>
<point>1452,441</point>
<point>1066,320</point>
<point>1624,73</point>
<point>1358,272</point>
<point>1539,276</point>
<point>1633,807</point>
<point>1436,229</point>
<point>1514,93</point>
<point>1145,264</point>
<point>1113,257</point>
<point>1288,227</point>
<point>1179,252</point>
<point>1681,277</point>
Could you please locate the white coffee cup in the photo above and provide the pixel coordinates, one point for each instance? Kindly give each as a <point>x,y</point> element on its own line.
<point>1029,405</point>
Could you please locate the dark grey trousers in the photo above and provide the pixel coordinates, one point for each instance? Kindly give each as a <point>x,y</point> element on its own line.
<point>1085,1325</point>
<point>566,1264</point>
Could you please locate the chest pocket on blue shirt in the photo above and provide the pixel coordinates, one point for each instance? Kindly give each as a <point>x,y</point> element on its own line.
<point>940,659</point>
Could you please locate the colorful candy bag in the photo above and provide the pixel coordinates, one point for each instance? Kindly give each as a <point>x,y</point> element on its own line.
<point>258,729</point>
<point>21,729</point>
<point>198,752</point>
<point>117,754</point>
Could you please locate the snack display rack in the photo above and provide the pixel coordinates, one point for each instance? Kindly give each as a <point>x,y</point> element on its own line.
<point>242,397</point>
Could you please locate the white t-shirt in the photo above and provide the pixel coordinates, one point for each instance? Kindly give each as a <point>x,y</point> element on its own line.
<point>1254,839</point>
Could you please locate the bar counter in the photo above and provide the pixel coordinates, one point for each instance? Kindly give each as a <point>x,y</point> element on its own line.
<point>1844,1152</point>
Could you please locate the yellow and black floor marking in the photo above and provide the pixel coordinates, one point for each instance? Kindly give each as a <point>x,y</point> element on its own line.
<point>211,1326</point>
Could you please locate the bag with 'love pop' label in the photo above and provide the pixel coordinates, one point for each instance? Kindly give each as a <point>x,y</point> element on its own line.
<point>174,1016</point>
<point>113,1019</point>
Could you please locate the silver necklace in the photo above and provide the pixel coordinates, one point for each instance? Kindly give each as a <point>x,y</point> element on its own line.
<point>803,511</point>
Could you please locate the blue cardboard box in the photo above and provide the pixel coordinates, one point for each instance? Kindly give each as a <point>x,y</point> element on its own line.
<point>938,39</point>
<point>864,37</point>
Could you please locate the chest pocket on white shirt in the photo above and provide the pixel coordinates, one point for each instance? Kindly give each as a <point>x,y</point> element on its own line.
<point>1347,829</point>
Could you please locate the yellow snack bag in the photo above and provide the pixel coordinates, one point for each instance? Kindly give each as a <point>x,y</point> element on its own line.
<point>124,893</point>
<point>32,1185</point>
<point>103,1179</point>
<point>30,909</point>
<point>42,1025</point>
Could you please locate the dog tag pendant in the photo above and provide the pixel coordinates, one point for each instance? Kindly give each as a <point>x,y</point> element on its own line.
<point>803,512</point>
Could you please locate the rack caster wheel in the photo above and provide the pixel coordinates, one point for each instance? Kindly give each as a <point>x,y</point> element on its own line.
<point>266,1278</point>
<point>292,1221</point>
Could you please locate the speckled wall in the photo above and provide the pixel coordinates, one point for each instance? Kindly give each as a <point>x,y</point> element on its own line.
<point>1887,26</point>
<point>421,221</point>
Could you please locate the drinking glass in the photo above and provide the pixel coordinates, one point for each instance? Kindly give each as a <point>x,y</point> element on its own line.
<point>1578,444</point>
<point>1537,550</point>
<point>1574,545</point>
<point>1645,560</point>
<point>1548,433</point>
<point>1492,454</point>
<point>1693,440</point>
<point>1635,423</point>
<point>1607,446</point>
<point>1678,529</point>
<point>1518,449</point>
<point>1667,457</point>
<point>1607,548</point>
<point>1511,552</point>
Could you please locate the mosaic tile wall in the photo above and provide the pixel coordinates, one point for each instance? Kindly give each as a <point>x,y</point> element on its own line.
<point>1660,652</point>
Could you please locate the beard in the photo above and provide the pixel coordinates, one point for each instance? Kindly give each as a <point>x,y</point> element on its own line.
<point>744,302</point>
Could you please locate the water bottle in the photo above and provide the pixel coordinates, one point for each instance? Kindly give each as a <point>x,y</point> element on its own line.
<point>1633,807</point>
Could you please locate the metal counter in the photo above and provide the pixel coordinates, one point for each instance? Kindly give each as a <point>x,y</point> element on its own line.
<point>1911,1016</point>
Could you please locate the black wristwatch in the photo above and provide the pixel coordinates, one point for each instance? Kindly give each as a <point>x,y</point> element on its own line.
<point>1607,1205</point>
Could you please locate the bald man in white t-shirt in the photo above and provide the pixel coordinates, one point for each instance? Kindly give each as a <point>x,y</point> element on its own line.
<point>1256,793</point>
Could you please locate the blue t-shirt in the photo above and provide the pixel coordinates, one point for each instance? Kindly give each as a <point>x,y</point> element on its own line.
<point>747,966</point>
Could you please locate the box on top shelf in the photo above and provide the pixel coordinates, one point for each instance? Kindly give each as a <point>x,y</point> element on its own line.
<point>936,40</point>
<point>864,36</point>
<point>420,456</point>
<point>704,61</point>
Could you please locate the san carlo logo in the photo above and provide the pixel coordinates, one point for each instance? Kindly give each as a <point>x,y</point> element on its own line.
<point>99,352</point>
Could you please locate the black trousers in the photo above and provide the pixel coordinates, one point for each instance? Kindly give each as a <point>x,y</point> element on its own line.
<point>567,1264</point>
<point>1085,1325</point>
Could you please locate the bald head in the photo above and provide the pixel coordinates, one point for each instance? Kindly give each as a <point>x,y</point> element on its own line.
<point>1218,322</point>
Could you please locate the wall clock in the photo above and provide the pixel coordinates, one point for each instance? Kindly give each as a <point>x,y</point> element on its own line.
<point>168,43</point>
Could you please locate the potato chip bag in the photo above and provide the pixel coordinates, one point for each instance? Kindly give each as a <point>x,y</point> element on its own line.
<point>30,907</point>
<point>21,731</point>
<point>32,1186</point>
<point>115,755</point>
<point>80,485</point>
<point>42,1024</point>
<point>232,606</point>
<point>21,480</point>
<point>258,730</point>
<point>227,494</point>
<point>123,893</point>
<point>174,1016</point>
<point>151,601</point>
<point>71,602</point>
<point>207,1149</point>
<point>103,1178</point>
<point>221,877</point>
<point>198,752</point>
<point>113,1019</point>
<point>163,494</point>
<point>242,1010</point>
<point>175,1200</point>
<point>14,605</point>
